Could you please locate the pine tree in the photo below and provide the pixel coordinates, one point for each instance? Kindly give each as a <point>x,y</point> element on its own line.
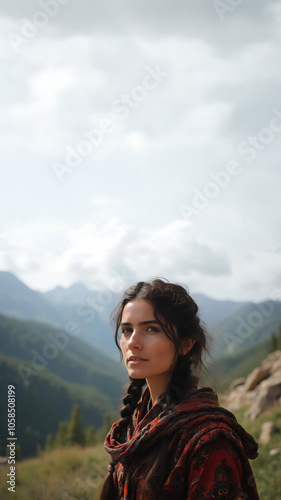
<point>18,452</point>
<point>49,445</point>
<point>62,436</point>
<point>273,343</point>
<point>76,434</point>
<point>108,420</point>
<point>90,436</point>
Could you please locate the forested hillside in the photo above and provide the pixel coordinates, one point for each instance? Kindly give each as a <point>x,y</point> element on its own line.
<point>44,402</point>
<point>223,371</point>
<point>249,326</point>
<point>60,353</point>
<point>52,371</point>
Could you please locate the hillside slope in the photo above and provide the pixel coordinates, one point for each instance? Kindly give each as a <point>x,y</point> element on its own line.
<point>61,354</point>
<point>44,402</point>
<point>223,371</point>
<point>249,326</point>
<point>213,312</point>
<point>19,301</point>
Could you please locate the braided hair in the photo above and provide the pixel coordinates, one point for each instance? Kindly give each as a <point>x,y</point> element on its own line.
<point>130,401</point>
<point>176,312</point>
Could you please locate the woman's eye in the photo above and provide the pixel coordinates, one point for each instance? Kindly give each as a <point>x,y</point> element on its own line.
<point>152,329</point>
<point>126,331</point>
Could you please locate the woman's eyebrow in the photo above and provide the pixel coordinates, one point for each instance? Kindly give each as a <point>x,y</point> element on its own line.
<point>142,323</point>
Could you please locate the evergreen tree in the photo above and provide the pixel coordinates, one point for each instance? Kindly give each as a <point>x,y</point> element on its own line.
<point>90,436</point>
<point>76,434</point>
<point>62,436</point>
<point>108,420</point>
<point>273,343</point>
<point>49,445</point>
<point>18,452</point>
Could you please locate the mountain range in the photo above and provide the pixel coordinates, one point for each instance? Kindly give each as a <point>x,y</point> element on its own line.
<point>57,348</point>
<point>51,371</point>
<point>233,325</point>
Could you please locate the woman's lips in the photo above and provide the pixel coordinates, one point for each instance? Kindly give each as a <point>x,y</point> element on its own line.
<point>135,360</point>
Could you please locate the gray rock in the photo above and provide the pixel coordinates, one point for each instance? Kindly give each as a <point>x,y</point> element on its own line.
<point>269,392</point>
<point>256,377</point>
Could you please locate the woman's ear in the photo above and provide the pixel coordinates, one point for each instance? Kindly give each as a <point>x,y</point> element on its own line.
<point>187,346</point>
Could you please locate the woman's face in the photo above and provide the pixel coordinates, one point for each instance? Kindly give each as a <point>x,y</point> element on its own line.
<point>148,352</point>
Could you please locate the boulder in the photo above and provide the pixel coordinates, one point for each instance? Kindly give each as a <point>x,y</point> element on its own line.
<point>234,400</point>
<point>238,398</point>
<point>268,428</point>
<point>261,389</point>
<point>269,392</point>
<point>272,360</point>
<point>255,377</point>
<point>236,383</point>
<point>276,366</point>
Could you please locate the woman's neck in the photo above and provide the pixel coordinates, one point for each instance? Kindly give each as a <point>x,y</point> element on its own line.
<point>157,386</point>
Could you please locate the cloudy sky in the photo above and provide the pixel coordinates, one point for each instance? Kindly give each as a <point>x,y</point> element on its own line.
<point>142,139</point>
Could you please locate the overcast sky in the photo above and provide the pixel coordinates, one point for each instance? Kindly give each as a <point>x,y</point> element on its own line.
<point>142,139</point>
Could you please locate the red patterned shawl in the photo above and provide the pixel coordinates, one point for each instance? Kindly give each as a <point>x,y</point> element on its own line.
<point>207,453</point>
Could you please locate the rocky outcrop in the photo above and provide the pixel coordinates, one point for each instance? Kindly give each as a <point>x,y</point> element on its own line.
<point>269,392</point>
<point>260,390</point>
<point>268,428</point>
<point>236,383</point>
<point>257,376</point>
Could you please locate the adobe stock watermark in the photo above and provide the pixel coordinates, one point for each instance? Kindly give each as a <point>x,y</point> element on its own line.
<point>40,360</point>
<point>84,487</point>
<point>94,480</point>
<point>225,7</point>
<point>275,294</point>
<point>120,109</point>
<point>31,27</point>
<point>98,302</point>
<point>256,143</point>
<point>221,179</point>
<point>87,310</point>
<point>246,326</point>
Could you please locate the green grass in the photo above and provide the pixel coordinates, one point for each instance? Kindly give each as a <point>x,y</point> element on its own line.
<point>62,474</point>
<point>77,473</point>
<point>266,468</point>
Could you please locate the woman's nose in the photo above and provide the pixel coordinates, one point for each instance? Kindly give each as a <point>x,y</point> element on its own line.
<point>134,339</point>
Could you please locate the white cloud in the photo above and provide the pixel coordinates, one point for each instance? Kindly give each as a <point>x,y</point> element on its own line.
<point>120,208</point>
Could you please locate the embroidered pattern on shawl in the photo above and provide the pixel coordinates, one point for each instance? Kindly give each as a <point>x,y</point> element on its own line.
<point>194,428</point>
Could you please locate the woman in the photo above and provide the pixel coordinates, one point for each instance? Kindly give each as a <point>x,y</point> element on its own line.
<point>173,441</point>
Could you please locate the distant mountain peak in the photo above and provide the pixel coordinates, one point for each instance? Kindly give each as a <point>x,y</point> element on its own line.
<point>78,287</point>
<point>58,288</point>
<point>9,276</point>
<point>73,294</point>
